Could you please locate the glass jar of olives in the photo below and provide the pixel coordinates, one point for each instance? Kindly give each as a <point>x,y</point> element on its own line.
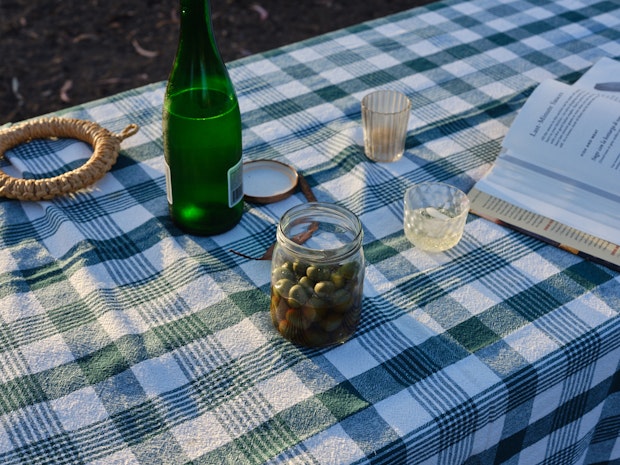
<point>317,274</point>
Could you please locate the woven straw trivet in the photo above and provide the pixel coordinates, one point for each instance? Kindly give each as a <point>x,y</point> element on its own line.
<point>105,144</point>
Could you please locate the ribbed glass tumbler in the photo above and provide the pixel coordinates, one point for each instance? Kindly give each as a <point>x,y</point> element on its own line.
<point>385,114</point>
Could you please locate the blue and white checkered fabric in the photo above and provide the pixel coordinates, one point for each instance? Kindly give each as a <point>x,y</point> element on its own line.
<point>125,341</point>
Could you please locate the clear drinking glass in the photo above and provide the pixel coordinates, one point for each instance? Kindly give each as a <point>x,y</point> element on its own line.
<point>385,114</point>
<point>435,215</point>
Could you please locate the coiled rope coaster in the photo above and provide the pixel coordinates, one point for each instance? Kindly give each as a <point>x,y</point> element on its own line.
<point>105,144</point>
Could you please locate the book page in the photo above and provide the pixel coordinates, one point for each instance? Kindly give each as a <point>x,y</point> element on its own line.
<point>544,228</point>
<point>570,131</point>
<point>561,159</point>
<point>602,78</point>
<point>527,189</point>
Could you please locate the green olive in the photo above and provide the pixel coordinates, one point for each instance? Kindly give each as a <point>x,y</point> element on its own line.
<point>317,273</point>
<point>300,268</point>
<point>324,289</point>
<point>307,283</point>
<point>331,322</point>
<point>275,299</point>
<point>309,313</point>
<point>283,287</point>
<point>297,296</point>
<point>280,310</point>
<point>342,300</point>
<point>338,279</point>
<point>317,303</point>
<point>282,272</point>
<point>348,270</point>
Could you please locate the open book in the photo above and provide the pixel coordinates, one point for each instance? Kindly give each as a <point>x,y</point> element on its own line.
<point>558,174</point>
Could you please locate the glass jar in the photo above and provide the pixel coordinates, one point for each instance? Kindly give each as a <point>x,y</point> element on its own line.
<point>317,274</point>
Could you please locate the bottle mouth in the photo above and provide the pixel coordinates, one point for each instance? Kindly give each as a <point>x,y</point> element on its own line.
<point>318,230</point>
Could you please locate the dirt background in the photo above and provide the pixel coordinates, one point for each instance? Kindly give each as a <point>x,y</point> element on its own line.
<point>59,53</point>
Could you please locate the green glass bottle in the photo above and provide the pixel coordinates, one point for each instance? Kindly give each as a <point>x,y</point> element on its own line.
<point>202,131</point>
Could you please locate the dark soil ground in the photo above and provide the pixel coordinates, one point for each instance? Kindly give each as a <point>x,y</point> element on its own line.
<point>59,53</point>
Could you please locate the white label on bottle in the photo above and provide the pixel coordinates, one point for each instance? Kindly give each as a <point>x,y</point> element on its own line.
<point>168,183</point>
<point>235,184</point>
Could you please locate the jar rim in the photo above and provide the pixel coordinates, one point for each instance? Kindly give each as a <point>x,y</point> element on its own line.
<point>312,214</point>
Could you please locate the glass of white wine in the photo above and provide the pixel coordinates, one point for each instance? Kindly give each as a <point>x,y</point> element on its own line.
<point>435,215</point>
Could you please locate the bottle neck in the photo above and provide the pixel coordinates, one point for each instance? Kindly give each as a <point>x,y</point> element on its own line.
<point>198,63</point>
<point>196,30</point>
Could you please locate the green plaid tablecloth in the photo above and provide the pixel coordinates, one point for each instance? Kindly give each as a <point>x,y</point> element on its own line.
<point>125,341</point>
